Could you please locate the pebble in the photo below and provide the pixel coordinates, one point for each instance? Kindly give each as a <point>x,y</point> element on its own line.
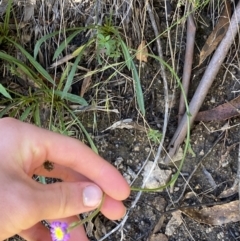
<point>118,161</point>
<point>220,235</point>
<point>127,178</point>
<point>201,153</point>
<point>147,149</point>
<point>136,148</point>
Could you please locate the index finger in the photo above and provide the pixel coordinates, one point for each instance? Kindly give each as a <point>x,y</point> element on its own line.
<point>39,145</point>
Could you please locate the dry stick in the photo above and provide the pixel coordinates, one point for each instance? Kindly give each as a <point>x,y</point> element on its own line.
<point>205,84</point>
<point>191,30</point>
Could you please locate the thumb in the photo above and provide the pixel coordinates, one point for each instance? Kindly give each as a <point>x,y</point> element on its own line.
<point>60,200</point>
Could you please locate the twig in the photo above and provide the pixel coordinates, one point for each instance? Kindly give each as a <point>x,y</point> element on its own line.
<point>205,84</point>
<point>187,69</point>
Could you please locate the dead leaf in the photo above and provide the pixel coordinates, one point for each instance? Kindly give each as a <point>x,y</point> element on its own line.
<point>62,60</point>
<point>229,192</point>
<point>217,34</point>
<point>174,223</point>
<point>216,215</point>
<point>100,228</point>
<point>221,112</point>
<point>142,52</point>
<point>125,124</point>
<point>86,83</point>
<point>159,237</point>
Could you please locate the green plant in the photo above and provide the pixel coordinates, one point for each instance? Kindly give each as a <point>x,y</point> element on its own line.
<point>109,43</point>
<point>154,135</point>
<point>46,94</point>
<point>4,92</point>
<point>4,28</point>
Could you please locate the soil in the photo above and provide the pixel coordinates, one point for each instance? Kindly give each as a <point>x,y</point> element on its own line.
<point>128,148</point>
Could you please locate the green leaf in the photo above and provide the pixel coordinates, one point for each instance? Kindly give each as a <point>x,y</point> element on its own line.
<point>63,76</point>
<point>25,114</point>
<point>78,50</point>
<point>138,89</point>
<point>6,110</point>
<point>127,57</point>
<point>71,76</point>
<point>63,45</point>
<point>4,92</point>
<point>71,97</point>
<point>36,116</point>
<point>42,179</point>
<point>20,64</point>
<point>7,17</point>
<point>41,41</point>
<point>36,65</point>
<point>46,37</point>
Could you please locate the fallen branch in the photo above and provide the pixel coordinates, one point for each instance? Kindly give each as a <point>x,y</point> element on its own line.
<point>205,84</point>
<point>191,30</point>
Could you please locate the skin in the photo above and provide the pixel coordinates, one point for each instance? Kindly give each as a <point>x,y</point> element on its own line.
<point>24,202</point>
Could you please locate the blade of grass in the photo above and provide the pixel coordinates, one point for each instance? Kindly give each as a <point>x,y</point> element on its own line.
<point>22,66</point>
<point>63,45</point>
<point>26,112</point>
<point>138,89</point>
<point>36,65</point>
<point>36,115</point>
<point>6,109</point>
<point>4,92</point>
<point>63,76</point>
<point>7,17</point>
<point>127,57</point>
<point>71,97</point>
<point>71,76</point>
<point>46,37</point>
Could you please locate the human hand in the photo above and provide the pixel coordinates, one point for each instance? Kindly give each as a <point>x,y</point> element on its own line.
<point>24,202</point>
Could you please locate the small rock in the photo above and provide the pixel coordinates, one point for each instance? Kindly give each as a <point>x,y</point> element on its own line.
<point>208,230</point>
<point>147,149</point>
<point>127,178</point>
<point>158,176</point>
<point>174,223</point>
<point>201,153</point>
<point>220,235</point>
<point>176,189</point>
<point>131,172</point>
<point>136,148</point>
<point>118,161</point>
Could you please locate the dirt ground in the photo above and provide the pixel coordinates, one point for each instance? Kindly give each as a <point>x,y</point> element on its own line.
<point>128,148</point>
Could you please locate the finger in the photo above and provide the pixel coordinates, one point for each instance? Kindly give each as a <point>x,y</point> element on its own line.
<point>39,232</point>
<point>36,233</point>
<point>111,208</point>
<point>45,145</point>
<point>60,200</point>
<point>61,172</point>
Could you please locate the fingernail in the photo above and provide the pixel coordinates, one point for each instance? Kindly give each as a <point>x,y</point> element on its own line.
<point>92,196</point>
